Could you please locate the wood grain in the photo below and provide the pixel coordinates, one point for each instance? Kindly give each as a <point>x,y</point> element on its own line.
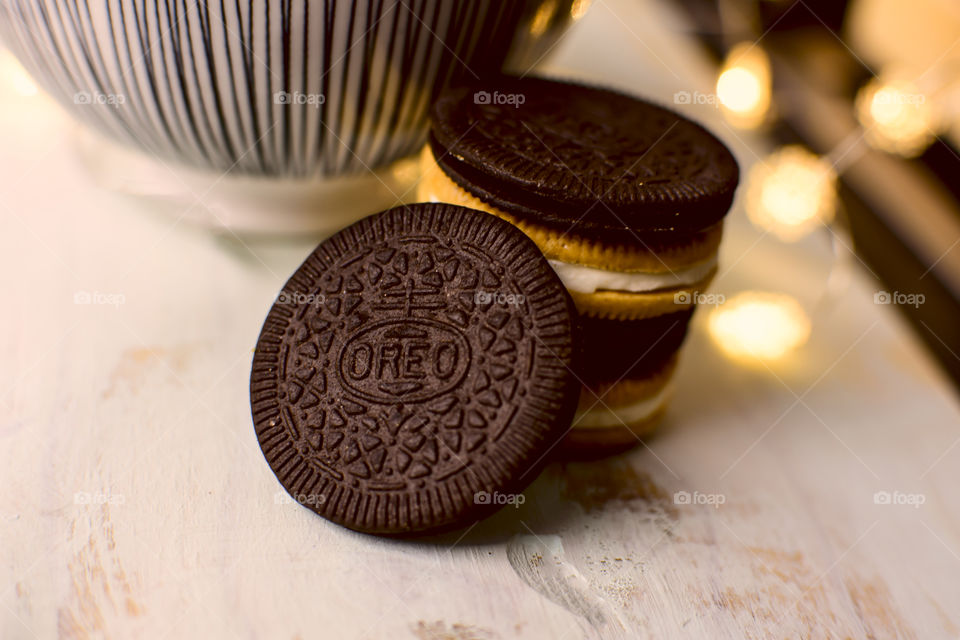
<point>136,502</point>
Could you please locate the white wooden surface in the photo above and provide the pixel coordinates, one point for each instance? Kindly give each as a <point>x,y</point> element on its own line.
<point>136,502</point>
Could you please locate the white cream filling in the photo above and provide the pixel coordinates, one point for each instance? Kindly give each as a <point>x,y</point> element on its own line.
<point>601,417</point>
<point>583,279</point>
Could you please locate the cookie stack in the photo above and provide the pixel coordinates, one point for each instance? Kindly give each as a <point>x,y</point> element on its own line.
<point>626,200</point>
<point>423,364</point>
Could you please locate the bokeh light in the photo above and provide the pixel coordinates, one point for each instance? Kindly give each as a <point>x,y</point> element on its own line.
<point>543,17</point>
<point>791,193</point>
<point>759,325</point>
<point>743,86</point>
<point>579,8</point>
<point>896,115</point>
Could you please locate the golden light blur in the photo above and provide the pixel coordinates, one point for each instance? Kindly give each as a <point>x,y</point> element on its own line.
<point>543,17</point>
<point>16,76</point>
<point>791,193</point>
<point>759,325</point>
<point>743,86</point>
<point>579,8</point>
<point>896,115</point>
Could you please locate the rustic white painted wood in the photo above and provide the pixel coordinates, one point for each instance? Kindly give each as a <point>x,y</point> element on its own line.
<point>136,503</point>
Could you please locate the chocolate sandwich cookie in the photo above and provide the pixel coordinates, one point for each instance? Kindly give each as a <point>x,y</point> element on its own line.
<point>615,416</point>
<point>416,364</point>
<point>629,349</point>
<point>626,381</point>
<point>625,198</point>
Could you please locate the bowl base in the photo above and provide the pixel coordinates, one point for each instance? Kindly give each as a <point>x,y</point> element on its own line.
<point>243,204</point>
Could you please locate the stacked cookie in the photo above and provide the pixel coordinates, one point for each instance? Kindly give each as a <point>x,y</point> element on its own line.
<point>625,199</point>
<point>423,364</point>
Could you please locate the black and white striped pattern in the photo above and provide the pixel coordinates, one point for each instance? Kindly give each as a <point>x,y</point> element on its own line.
<point>269,87</point>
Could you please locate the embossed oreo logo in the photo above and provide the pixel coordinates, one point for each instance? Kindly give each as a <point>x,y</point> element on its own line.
<point>407,360</point>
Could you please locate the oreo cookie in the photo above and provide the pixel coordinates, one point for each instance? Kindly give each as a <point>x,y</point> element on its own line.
<point>625,198</point>
<point>615,350</point>
<point>417,364</point>
<point>587,161</point>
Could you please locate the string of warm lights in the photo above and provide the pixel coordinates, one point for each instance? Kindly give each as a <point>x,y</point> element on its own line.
<point>792,192</point>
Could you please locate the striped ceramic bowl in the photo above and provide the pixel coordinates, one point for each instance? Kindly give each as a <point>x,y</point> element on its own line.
<point>291,88</point>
